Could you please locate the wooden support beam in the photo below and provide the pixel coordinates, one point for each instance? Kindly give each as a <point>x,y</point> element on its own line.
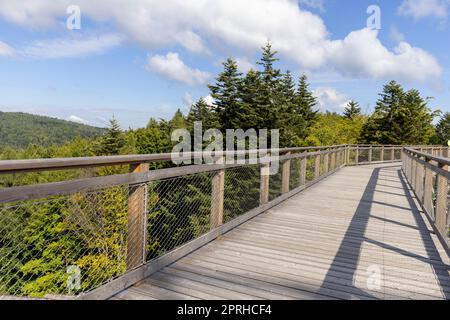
<point>317,167</point>
<point>137,220</point>
<point>302,172</point>
<point>264,184</point>
<point>326,160</point>
<point>357,155</point>
<point>217,196</point>
<point>441,203</point>
<point>285,175</point>
<point>333,160</point>
<point>428,191</point>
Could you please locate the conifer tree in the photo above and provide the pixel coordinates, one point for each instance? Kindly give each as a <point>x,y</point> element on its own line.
<point>352,110</point>
<point>399,118</point>
<point>113,139</point>
<point>443,129</point>
<point>305,104</point>
<point>201,111</point>
<point>226,94</point>
<point>268,95</point>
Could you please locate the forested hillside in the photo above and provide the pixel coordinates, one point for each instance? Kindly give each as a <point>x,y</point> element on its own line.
<point>19,130</point>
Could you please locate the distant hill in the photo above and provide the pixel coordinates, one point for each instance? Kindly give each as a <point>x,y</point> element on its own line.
<point>19,129</point>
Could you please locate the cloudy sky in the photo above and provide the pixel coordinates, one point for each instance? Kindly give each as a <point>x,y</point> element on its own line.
<point>140,58</point>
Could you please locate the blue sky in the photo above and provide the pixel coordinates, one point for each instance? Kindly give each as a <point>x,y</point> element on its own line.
<point>138,59</point>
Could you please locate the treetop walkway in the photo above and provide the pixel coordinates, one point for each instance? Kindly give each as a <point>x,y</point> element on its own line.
<point>336,222</point>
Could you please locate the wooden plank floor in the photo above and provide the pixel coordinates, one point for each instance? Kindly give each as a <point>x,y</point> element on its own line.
<point>358,234</point>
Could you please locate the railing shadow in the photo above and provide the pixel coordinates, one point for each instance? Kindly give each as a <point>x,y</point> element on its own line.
<point>435,260</point>
<point>355,231</point>
<point>355,237</point>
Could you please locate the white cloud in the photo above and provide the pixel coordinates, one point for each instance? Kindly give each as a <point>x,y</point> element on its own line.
<point>77,119</point>
<point>172,67</point>
<point>396,35</point>
<point>71,47</point>
<point>187,102</point>
<point>6,50</point>
<point>313,4</point>
<point>330,100</point>
<point>419,9</point>
<point>361,54</point>
<point>209,100</point>
<point>243,26</point>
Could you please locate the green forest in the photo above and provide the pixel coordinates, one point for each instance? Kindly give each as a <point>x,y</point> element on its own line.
<point>20,130</point>
<point>38,240</point>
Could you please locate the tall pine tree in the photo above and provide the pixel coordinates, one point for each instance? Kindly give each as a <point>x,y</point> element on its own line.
<point>352,110</point>
<point>226,95</point>
<point>399,118</point>
<point>112,140</point>
<point>305,105</point>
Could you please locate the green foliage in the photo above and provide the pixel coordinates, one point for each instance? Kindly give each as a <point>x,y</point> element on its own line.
<point>19,130</point>
<point>333,129</point>
<point>399,118</point>
<point>352,110</point>
<point>443,129</point>
<point>112,140</point>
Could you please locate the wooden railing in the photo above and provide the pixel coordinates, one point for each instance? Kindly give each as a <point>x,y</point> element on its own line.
<point>427,172</point>
<point>311,165</point>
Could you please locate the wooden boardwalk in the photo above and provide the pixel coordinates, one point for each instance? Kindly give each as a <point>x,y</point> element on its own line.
<point>358,234</point>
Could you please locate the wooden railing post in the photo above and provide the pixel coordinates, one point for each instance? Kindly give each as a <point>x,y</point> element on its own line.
<point>333,160</point>
<point>285,175</point>
<point>302,172</point>
<point>326,160</point>
<point>264,184</point>
<point>419,180</point>
<point>137,220</point>
<point>441,203</point>
<point>317,167</point>
<point>217,196</point>
<point>413,172</point>
<point>428,190</point>
<point>370,154</point>
<point>382,154</point>
<point>357,155</point>
<point>348,156</point>
<point>393,153</point>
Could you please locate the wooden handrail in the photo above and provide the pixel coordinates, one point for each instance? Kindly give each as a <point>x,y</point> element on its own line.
<point>32,165</point>
<point>419,168</point>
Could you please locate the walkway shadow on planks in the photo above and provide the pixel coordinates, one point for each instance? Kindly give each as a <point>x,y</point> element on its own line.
<point>433,257</point>
<point>345,263</point>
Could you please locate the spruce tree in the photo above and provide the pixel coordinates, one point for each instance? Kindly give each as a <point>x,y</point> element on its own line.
<point>305,104</point>
<point>268,95</point>
<point>399,118</point>
<point>291,122</point>
<point>201,111</point>
<point>249,91</point>
<point>443,129</point>
<point>352,110</point>
<point>112,140</point>
<point>226,94</point>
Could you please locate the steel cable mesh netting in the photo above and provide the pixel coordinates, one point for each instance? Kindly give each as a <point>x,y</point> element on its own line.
<point>294,174</point>
<point>242,185</point>
<point>178,211</point>
<point>363,155</point>
<point>63,245</point>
